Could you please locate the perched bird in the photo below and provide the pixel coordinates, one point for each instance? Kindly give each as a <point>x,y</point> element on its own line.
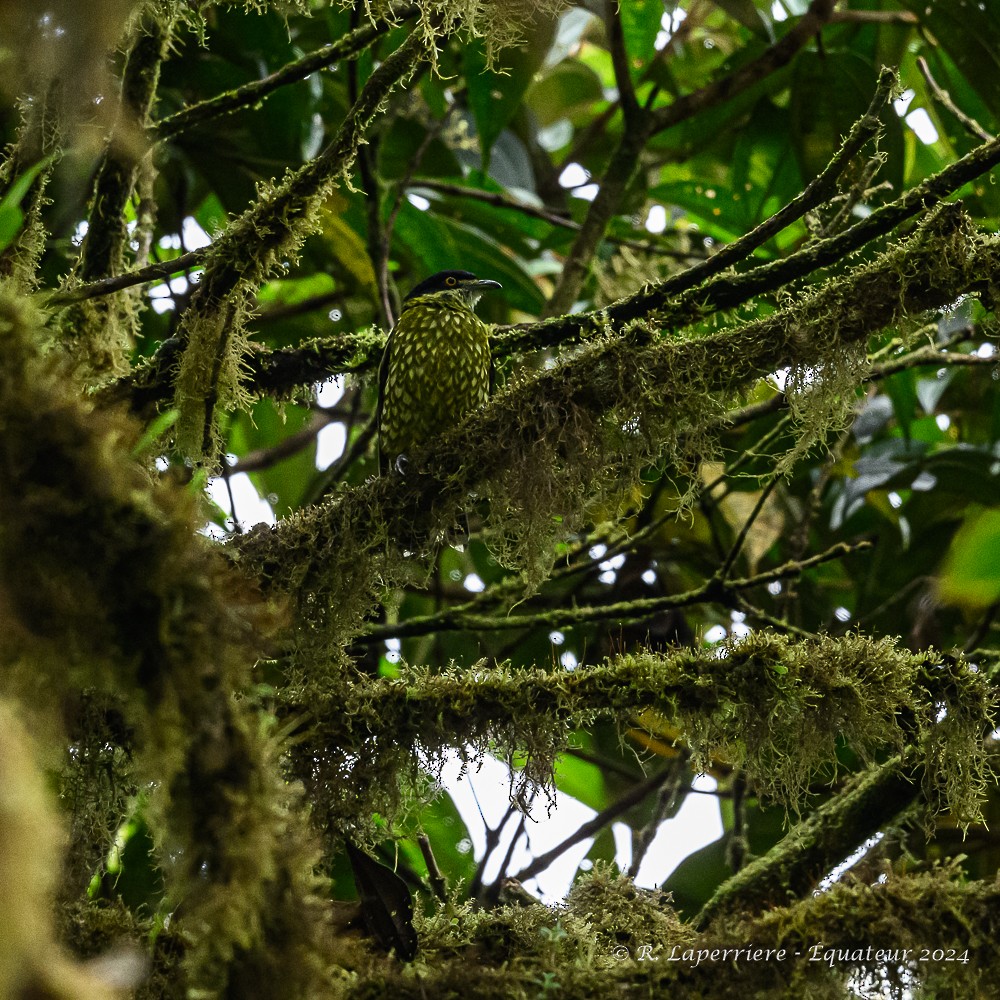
<point>436,366</point>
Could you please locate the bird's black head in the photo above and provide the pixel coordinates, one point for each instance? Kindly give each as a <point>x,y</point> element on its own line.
<point>463,283</point>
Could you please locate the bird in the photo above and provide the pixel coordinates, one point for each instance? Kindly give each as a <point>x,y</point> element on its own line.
<point>436,366</point>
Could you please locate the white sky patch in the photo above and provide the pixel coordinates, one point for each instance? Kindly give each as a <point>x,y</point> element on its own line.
<point>161,295</point>
<point>698,822</point>
<point>842,614</point>
<point>194,236</point>
<point>329,393</point>
<point>922,126</point>
<point>849,862</point>
<point>588,192</point>
<point>656,220</point>
<point>474,583</point>
<point>418,201</point>
<point>573,176</point>
<point>649,577</point>
<point>251,509</point>
<point>943,421</point>
<point>332,439</point>
<point>669,24</point>
<point>330,444</point>
<point>738,627</point>
<point>715,634</point>
<point>902,103</point>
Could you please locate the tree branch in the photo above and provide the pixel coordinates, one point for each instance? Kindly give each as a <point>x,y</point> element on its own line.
<point>254,92</point>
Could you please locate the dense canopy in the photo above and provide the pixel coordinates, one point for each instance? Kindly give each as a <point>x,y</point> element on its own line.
<point>731,510</point>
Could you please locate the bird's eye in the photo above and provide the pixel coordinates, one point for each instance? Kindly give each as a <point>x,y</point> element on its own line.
<point>451,282</point>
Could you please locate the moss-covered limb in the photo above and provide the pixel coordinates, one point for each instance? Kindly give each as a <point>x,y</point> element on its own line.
<point>252,93</point>
<point>102,330</point>
<point>672,311</point>
<point>247,252</point>
<point>140,276</point>
<point>774,706</point>
<point>814,846</point>
<point>641,125</point>
<point>590,423</point>
<point>818,191</point>
<point>624,613</point>
<point>283,371</point>
<point>105,584</point>
<point>612,940</point>
<point>103,247</point>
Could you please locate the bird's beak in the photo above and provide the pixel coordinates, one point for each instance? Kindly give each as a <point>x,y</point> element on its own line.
<point>481,283</point>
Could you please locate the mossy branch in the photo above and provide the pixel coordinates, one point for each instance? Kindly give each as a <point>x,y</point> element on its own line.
<point>554,418</point>
<point>250,249</point>
<point>105,585</point>
<point>350,45</point>
<point>776,707</point>
<point>623,613</point>
<point>661,304</point>
<point>103,330</point>
<point>816,845</point>
<point>672,304</point>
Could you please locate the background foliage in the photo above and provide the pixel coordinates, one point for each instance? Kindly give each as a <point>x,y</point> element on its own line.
<point>734,510</point>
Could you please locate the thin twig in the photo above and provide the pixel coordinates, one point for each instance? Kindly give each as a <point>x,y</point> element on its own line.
<point>943,97</point>
<point>741,538</point>
<point>254,92</point>
<point>593,826</point>
<point>625,612</point>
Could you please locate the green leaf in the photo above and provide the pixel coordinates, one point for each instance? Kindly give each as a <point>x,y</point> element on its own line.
<point>569,90</point>
<point>496,94</point>
<point>151,435</point>
<point>970,34</point>
<point>902,390</point>
<point>439,243</point>
<point>582,780</point>
<point>971,574</point>
<point>11,216</point>
<point>641,23</point>
<point>750,16</point>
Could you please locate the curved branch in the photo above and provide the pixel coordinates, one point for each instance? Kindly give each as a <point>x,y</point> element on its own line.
<point>252,93</point>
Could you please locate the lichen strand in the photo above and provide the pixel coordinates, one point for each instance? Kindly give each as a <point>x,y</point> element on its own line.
<point>105,584</point>
<point>500,23</point>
